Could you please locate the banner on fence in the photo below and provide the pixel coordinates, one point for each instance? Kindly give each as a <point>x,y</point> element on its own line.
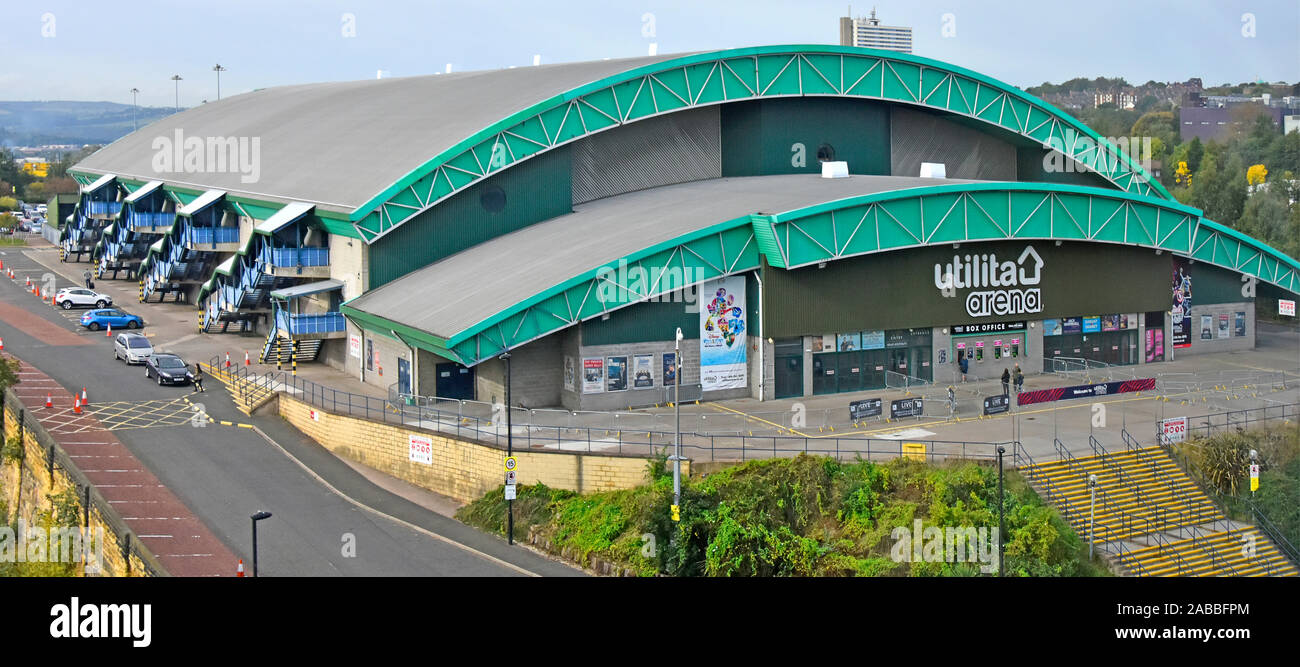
<point>1173,429</point>
<point>865,409</point>
<point>996,405</point>
<point>1084,391</point>
<point>906,407</point>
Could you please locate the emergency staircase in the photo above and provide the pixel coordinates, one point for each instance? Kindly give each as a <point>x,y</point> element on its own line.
<point>279,349</point>
<point>1150,515</point>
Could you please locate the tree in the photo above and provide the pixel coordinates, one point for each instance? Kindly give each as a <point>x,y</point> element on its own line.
<point>1265,216</point>
<point>1256,174</point>
<point>8,204</point>
<point>1195,152</point>
<point>1158,125</point>
<point>8,221</point>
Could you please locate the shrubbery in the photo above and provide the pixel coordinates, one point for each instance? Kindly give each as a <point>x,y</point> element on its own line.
<point>803,516</point>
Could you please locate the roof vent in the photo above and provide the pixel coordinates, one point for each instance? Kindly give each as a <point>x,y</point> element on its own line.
<point>933,170</point>
<point>835,170</point>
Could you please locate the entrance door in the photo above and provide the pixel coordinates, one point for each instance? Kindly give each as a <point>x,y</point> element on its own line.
<point>789,367</point>
<point>455,381</point>
<point>403,376</point>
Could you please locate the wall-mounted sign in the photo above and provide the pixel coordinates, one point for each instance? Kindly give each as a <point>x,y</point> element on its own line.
<point>1181,310</point>
<point>1223,325</point>
<point>570,373</point>
<point>670,369</point>
<point>1239,323</point>
<point>1091,324</point>
<point>593,375</point>
<point>420,449</point>
<point>1286,307</point>
<point>722,334</point>
<point>976,272</point>
<point>991,327</point>
<point>354,345</point>
<point>616,372</point>
<point>643,371</point>
<point>1207,327</point>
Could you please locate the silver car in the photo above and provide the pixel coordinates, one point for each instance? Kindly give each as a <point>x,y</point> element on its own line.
<point>132,348</point>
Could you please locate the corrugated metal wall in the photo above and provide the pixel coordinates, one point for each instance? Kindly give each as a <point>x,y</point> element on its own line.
<point>536,190</point>
<point>673,148</point>
<point>918,136</point>
<point>759,137</point>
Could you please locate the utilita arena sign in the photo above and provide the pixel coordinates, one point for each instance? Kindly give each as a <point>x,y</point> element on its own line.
<point>997,288</point>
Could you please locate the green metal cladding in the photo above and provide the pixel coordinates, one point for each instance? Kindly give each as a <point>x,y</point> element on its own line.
<point>881,222</point>
<point>742,74</point>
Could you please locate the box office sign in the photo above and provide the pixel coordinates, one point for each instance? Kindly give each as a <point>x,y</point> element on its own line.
<point>990,327</point>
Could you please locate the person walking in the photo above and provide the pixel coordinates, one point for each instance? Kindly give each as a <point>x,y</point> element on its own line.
<point>964,364</point>
<point>1006,382</point>
<point>86,275</point>
<point>952,401</point>
<point>197,378</point>
<point>1018,377</point>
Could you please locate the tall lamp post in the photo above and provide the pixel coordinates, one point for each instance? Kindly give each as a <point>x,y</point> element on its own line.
<point>510,451</point>
<point>218,69</point>
<point>135,109</point>
<point>1001,527</point>
<point>1092,513</point>
<point>177,78</point>
<point>677,435</point>
<point>257,517</point>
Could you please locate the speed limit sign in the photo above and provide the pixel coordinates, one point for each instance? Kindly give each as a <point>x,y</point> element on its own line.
<point>510,463</point>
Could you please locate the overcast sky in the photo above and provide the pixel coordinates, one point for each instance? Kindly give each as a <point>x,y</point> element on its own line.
<point>99,50</point>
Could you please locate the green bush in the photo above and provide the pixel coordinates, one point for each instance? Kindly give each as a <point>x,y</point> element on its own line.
<point>803,516</point>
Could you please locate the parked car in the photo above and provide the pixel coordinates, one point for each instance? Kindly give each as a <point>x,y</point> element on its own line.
<point>98,319</point>
<point>68,297</point>
<point>132,348</point>
<point>168,368</point>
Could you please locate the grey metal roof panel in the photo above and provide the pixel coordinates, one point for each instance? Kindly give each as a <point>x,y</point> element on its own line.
<point>203,201</point>
<point>307,288</point>
<point>338,144</point>
<point>99,183</point>
<point>460,291</point>
<point>287,214</point>
<point>144,190</point>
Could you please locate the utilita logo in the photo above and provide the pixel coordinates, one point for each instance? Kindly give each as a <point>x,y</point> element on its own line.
<point>975,271</point>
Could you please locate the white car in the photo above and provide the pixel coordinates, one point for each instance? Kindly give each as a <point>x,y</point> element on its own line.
<point>132,348</point>
<point>80,296</point>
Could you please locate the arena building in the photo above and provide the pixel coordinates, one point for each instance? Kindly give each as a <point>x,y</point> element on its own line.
<point>812,219</point>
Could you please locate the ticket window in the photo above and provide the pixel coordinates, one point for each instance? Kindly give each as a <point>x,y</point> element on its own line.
<point>979,355</point>
<point>997,352</point>
<point>1015,349</point>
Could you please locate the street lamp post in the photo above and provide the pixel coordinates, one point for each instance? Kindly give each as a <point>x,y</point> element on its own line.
<point>510,450</point>
<point>1092,512</point>
<point>677,435</point>
<point>177,78</point>
<point>218,69</point>
<point>1001,527</point>
<point>135,109</point>
<point>257,517</point>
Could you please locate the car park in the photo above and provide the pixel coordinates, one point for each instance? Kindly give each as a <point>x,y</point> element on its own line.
<point>167,368</point>
<point>100,318</point>
<point>132,348</point>
<point>68,297</point>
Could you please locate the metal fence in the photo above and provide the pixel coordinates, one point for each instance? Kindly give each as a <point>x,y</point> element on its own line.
<point>615,433</point>
<point>53,455</point>
<point>1234,420</point>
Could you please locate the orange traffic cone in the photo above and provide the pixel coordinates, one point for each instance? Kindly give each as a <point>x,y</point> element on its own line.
<point>246,361</point>
<point>29,281</point>
<point>76,405</point>
<point>109,332</point>
<point>84,400</point>
<point>2,344</point>
<point>227,361</point>
<point>240,571</point>
<point>49,401</point>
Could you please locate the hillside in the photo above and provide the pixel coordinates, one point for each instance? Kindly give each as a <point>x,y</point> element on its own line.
<point>67,122</point>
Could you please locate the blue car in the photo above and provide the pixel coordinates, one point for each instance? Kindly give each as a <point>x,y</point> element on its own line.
<point>120,319</point>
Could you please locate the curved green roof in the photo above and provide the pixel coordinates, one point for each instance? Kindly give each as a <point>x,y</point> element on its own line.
<point>859,225</point>
<point>738,74</point>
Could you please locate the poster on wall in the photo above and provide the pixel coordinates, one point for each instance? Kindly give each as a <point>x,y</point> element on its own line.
<point>848,342</point>
<point>420,449</point>
<point>1091,324</point>
<point>1051,327</point>
<point>873,340</point>
<point>1071,325</point>
<point>670,369</point>
<point>722,335</point>
<point>1223,325</point>
<point>1207,327</point>
<point>1239,323</point>
<point>616,371</point>
<point>570,373</point>
<point>354,345</point>
<point>1181,312</point>
<point>643,376</point>
<point>593,375</point>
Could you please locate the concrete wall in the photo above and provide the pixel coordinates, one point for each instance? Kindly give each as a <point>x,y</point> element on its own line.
<point>536,375</point>
<point>1233,342</point>
<point>28,489</point>
<point>659,394</point>
<point>348,263</point>
<point>461,469</point>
